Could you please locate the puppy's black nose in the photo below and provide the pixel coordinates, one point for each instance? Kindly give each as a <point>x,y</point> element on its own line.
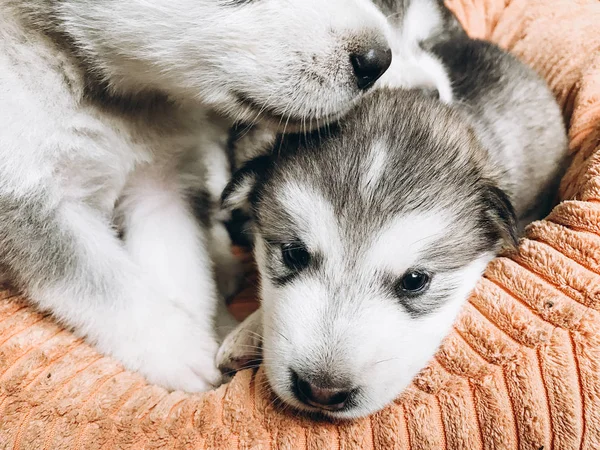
<point>370,65</point>
<point>318,397</point>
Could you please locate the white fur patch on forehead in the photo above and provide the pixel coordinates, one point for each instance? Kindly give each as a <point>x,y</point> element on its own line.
<point>400,244</point>
<point>374,168</point>
<point>314,216</point>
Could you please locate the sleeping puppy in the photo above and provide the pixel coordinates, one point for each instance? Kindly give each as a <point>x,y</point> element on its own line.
<point>370,238</point>
<point>110,111</point>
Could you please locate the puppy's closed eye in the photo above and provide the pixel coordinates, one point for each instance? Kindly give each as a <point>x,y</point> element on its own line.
<point>295,256</point>
<point>289,259</point>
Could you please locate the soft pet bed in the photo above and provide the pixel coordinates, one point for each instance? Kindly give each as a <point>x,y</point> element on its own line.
<point>521,370</point>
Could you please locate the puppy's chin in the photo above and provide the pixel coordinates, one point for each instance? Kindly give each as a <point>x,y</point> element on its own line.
<point>365,403</point>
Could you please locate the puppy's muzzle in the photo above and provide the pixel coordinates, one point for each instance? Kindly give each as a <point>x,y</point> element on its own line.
<point>330,398</point>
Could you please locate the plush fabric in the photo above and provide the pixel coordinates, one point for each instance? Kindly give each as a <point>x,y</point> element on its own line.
<point>521,369</point>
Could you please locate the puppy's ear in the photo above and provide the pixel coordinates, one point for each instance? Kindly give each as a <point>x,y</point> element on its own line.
<point>500,219</point>
<point>238,193</point>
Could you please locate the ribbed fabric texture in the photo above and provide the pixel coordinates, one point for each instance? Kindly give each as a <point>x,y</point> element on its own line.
<point>521,369</point>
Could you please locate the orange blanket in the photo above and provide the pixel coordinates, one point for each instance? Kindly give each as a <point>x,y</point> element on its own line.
<point>521,370</point>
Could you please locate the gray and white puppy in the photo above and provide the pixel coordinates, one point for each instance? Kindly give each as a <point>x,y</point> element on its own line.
<point>109,110</point>
<point>370,239</point>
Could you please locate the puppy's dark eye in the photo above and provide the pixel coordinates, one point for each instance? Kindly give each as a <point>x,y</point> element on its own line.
<point>295,256</point>
<point>413,282</point>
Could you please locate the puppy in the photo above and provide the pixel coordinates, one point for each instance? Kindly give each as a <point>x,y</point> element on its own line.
<point>370,239</point>
<point>110,110</point>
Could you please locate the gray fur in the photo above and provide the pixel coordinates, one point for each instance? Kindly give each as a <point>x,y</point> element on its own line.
<point>34,244</point>
<point>510,107</point>
<point>424,141</point>
<point>514,115</point>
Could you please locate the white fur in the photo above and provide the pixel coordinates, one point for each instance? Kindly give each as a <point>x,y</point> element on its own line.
<point>374,170</point>
<point>126,312</point>
<point>398,246</point>
<point>150,300</point>
<point>315,219</point>
<point>289,56</point>
<point>412,67</point>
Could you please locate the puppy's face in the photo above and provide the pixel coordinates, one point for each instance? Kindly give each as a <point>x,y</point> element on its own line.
<point>368,243</point>
<point>296,64</point>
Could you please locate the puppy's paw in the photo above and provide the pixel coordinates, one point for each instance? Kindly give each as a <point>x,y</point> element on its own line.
<point>242,348</point>
<point>170,346</point>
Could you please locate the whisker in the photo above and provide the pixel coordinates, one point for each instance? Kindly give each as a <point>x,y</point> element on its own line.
<point>385,360</point>
<point>279,333</point>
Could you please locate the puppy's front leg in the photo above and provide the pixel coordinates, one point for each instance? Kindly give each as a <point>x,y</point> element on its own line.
<point>164,238</point>
<point>67,258</point>
<point>162,235</point>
